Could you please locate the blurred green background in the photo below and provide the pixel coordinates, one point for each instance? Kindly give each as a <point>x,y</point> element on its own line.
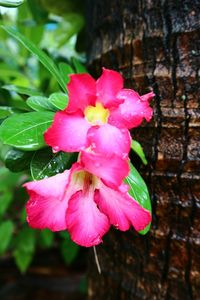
<point>56,28</point>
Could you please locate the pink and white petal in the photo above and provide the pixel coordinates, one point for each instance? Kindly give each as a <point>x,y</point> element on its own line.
<point>147,97</point>
<point>131,112</point>
<point>68,132</point>
<point>108,139</point>
<point>52,185</point>
<point>82,92</point>
<point>85,223</point>
<point>47,205</point>
<point>108,85</point>
<point>112,169</point>
<point>121,209</point>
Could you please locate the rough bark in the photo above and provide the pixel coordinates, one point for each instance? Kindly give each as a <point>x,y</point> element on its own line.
<point>155,43</point>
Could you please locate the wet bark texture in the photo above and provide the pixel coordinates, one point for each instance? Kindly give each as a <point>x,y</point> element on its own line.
<point>155,44</point>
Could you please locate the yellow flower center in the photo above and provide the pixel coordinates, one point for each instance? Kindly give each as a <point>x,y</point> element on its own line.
<point>96,115</point>
<point>84,181</point>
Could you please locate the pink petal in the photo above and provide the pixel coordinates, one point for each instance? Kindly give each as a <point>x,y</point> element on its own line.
<point>82,92</point>
<point>132,111</point>
<point>147,97</point>
<point>108,85</point>
<point>47,205</point>
<point>108,139</point>
<point>121,209</point>
<point>68,132</point>
<point>112,169</point>
<point>85,223</point>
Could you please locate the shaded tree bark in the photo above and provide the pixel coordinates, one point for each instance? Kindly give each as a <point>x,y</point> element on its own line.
<point>155,43</point>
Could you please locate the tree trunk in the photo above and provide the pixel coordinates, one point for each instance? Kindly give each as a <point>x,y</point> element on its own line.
<point>155,43</point>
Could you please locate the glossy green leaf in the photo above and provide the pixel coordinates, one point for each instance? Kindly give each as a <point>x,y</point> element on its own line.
<point>79,67</point>
<point>6,231</point>
<point>45,163</point>
<point>137,148</point>
<point>25,131</point>
<point>24,248</point>
<point>16,160</point>
<point>138,190</point>
<point>39,103</point>
<point>11,3</point>
<point>65,71</point>
<point>69,249</point>
<point>5,200</point>
<point>46,238</point>
<point>21,90</point>
<point>58,100</point>
<point>42,56</point>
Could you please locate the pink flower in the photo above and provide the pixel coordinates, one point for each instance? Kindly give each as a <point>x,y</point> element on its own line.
<point>85,202</point>
<point>99,115</point>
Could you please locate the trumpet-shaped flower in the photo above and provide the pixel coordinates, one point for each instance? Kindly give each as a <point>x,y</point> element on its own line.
<point>98,115</point>
<point>85,202</point>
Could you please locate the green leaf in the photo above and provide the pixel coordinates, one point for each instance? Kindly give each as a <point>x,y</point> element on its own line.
<point>45,163</point>
<point>5,111</point>
<point>11,3</point>
<point>6,231</point>
<point>5,200</point>
<point>21,90</point>
<point>40,15</point>
<point>58,100</point>
<point>8,179</point>
<point>138,190</point>
<point>25,131</point>
<point>24,248</point>
<point>137,148</point>
<point>65,71</point>
<point>19,105</point>
<point>16,160</point>
<point>46,238</point>
<point>23,260</point>
<point>39,103</point>
<point>69,249</point>
<point>42,56</point>
<point>23,215</point>
<point>80,68</point>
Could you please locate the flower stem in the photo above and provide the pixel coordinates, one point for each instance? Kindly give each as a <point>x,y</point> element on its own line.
<point>97,260</point>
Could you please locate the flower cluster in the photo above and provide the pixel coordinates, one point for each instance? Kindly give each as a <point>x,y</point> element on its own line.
<point>90,197</point>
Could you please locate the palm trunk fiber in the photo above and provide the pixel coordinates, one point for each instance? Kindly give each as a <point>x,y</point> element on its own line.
<point>155,44</point>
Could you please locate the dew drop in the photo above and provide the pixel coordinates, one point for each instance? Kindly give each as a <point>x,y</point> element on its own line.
<point>33,203</point>
<point>117,226</point>
<point>124,155</point>
<point>124,188</point>
<point>98,239</point>
<point>93,145</point>
<point>97,164</point>
<point>91,134</point>
<point>56,149</point>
